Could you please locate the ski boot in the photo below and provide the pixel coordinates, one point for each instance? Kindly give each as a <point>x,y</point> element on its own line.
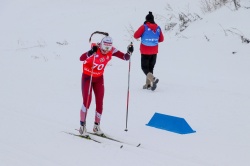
<point>83,130</point>
<point>97,130</point>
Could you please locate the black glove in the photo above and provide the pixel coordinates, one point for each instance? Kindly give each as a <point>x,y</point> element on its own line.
<point>92,51</point>
<point>130,48</point>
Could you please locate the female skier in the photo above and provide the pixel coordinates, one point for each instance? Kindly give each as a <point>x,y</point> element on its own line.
<point>94,63</point>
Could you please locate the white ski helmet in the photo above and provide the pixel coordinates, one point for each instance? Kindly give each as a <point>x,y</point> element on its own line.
<point>106,43</point>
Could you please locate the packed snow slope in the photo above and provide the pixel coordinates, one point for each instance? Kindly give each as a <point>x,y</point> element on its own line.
<point>203,72</point>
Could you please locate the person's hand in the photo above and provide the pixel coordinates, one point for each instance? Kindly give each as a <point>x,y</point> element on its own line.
<point>130,48</point>
<point>92,51</point>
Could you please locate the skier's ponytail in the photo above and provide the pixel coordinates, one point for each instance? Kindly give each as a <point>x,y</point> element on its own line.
<point>99,32</point>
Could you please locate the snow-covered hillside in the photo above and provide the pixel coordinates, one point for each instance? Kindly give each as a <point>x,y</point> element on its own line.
<point>203,72</point>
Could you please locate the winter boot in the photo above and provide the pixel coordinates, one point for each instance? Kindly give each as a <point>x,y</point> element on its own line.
<point>83,130</point>
<point>153,81</point>
<point>150,77</point>
<point>147,85</point>
<point>97,130</point>
<point>156,80</point>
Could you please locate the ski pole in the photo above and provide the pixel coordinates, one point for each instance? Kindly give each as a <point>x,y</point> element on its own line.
<point>90,82</point>
<point>126,129</point>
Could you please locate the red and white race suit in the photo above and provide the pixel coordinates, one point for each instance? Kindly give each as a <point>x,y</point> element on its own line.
<point>94,66</point>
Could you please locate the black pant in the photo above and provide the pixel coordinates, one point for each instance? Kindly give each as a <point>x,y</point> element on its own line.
<point>148,63</point>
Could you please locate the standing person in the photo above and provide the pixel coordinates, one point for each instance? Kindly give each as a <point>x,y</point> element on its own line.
<point>95,61</point>
<point>150,34</point>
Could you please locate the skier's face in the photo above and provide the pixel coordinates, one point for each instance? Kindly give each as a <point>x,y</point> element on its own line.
<point>104,51</point>
<point>105,47</point>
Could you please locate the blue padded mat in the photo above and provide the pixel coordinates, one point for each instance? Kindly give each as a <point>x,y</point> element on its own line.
<point>170,123</point>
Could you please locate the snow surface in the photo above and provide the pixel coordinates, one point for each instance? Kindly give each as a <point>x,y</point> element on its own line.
<point>202,81</point>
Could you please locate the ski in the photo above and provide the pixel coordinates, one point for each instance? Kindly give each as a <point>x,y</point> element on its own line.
<point>87,137</point>
<point>103,136</point>
<point>116,140</point>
